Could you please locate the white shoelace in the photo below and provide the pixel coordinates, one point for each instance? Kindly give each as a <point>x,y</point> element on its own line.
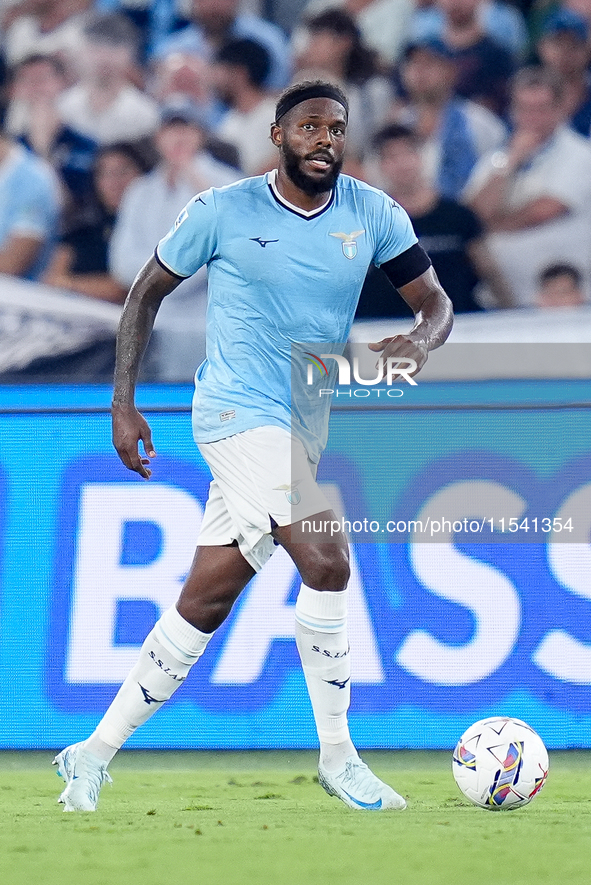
<point>357,774</point>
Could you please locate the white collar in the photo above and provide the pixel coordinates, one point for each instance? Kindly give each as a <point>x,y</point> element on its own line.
<point>272,181</point>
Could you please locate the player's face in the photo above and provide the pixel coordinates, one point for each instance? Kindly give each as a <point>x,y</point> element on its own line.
<point>311,140</point>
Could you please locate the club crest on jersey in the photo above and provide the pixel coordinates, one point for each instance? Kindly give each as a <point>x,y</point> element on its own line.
<point>348,242</point>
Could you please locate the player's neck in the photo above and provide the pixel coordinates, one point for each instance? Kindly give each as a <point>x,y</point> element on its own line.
<point>297,197</point>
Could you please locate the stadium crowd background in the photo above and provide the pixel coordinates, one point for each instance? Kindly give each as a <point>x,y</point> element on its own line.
<point>474,114</point>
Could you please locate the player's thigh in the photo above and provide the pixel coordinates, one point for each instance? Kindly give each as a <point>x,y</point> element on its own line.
<point>263,479</point>
<point>219,570</point>
<point>218,567</point>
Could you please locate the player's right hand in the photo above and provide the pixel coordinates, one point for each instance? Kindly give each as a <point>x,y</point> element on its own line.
<point>129,427</point>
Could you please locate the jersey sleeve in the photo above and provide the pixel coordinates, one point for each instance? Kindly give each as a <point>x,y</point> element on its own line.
<point>192,240</point>
<point>395,232</point>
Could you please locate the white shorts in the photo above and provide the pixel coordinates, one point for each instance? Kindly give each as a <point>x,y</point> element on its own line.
<point>261,477</point>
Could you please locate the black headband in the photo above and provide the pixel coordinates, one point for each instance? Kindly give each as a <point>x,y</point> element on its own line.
<point>316,90</point>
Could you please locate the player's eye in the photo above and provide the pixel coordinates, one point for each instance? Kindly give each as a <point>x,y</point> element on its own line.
<point>338,130</point>
<point>308,126</point>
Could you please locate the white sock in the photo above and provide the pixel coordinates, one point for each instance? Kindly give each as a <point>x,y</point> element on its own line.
<point>168,653</point>
<point>321,638</point>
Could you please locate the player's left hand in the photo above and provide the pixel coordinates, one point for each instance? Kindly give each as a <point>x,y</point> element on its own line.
<point>129,428</point>
<point>402,346</point>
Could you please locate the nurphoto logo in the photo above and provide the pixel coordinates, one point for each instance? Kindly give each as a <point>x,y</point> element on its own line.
<point>400,368</point>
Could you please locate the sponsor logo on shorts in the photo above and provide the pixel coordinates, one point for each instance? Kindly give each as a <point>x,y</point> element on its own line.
<point>228,415</point>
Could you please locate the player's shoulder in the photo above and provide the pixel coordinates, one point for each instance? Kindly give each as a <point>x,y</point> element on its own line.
<point>226,201</point>
<point>244,187</point>
<point>355,190</point>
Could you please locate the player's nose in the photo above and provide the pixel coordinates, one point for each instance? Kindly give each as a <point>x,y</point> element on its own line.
<point>323,136</point>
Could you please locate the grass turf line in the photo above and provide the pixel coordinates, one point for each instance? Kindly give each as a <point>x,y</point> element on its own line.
<point>261,818</point>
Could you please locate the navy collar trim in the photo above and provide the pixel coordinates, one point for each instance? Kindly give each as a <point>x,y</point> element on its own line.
<point>302,213</point>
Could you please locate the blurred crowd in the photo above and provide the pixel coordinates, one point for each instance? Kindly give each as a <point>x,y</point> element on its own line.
<point>475,115</point>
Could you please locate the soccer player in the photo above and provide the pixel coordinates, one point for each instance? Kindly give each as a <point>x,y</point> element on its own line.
<point>287,253</point>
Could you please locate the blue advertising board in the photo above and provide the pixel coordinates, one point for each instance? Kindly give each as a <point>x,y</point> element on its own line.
<point>473,617</point>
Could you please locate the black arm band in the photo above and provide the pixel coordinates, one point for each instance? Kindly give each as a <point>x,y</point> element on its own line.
<point>407,266</point>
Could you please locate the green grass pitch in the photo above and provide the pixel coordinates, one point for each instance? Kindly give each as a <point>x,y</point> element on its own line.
<point>248,818</point>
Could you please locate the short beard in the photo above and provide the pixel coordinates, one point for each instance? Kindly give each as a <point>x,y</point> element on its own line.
<point>310,186</point>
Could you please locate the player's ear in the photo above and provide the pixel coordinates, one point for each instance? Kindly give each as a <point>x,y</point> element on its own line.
<point>276,134</point>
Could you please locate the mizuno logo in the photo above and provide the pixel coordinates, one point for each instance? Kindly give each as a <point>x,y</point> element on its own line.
<point>148,697</point>
<point>200,199</point>
<point>336,682</point>
<point>261,242</point>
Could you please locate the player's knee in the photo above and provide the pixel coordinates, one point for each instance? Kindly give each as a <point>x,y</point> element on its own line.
<point>205,615</point>
<point>327,571</point>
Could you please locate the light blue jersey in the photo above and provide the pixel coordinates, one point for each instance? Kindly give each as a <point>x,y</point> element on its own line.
<point>277,275</point>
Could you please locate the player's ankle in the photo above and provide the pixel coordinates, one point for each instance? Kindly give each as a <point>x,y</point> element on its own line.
<point>334,756</point>
<point>103,751</point>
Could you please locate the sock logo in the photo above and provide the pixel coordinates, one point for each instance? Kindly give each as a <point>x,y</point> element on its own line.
<point>337,682</point>
<point>329,654</point>
<point>166,670</point>
<point>148,697</point>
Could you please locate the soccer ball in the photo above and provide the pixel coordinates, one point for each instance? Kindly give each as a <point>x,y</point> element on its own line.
<point>500,763</point>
